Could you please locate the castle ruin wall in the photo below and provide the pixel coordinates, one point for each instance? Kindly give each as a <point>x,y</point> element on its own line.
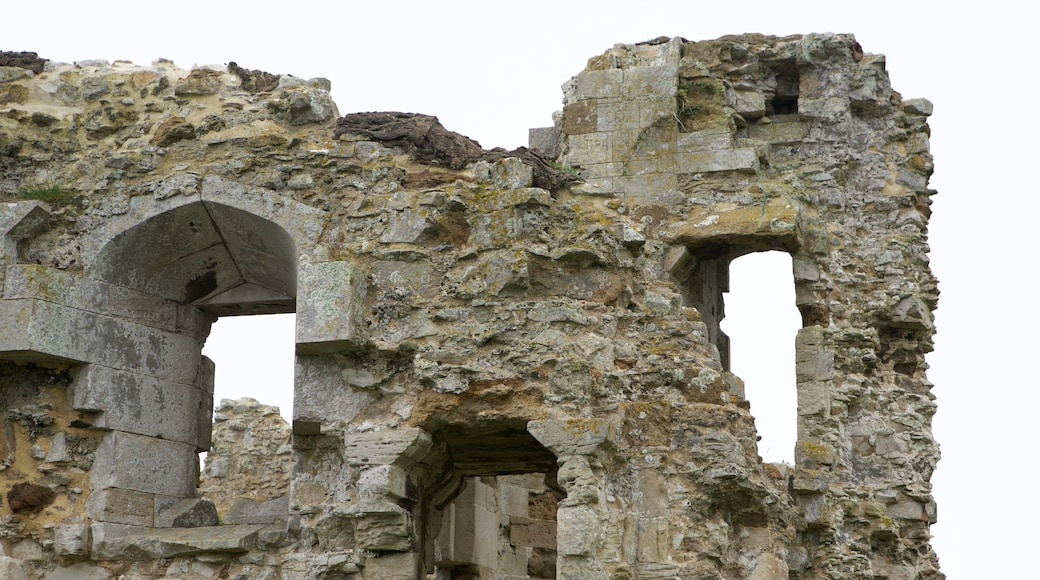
<point>508,364</point>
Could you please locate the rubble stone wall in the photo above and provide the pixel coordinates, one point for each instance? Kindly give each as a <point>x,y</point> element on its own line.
<point>509,364</point>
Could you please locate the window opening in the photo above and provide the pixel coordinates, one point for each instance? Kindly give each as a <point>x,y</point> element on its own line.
<point>762,322</point>
<point>254,357</point>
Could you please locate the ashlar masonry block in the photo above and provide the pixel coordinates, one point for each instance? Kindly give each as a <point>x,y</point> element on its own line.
<point>707,161</point>
<point>141,404</point>
<point>330,307</point>
<point>136,462</point>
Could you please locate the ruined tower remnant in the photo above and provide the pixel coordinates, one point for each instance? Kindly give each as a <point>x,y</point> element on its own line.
<point>509,365</point>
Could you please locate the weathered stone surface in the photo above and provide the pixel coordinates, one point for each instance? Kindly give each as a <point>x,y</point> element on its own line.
<point>487,349</point>
<point>72,540</point>
<point>78,571</point>
<point>249,462</point>
<point>118,542</point>
<point>173,130</point>
<point>188,513</point>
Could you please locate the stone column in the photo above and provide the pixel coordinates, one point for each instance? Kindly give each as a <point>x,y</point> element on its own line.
<point>588,530</point>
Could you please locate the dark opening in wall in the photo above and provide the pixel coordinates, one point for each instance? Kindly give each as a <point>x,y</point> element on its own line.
<point>502,521</point>
<point>785,96</point>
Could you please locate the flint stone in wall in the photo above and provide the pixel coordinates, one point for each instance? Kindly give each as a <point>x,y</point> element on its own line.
<point>188,513</point>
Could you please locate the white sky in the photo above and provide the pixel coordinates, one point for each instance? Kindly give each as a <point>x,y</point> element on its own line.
<point>492,70</point>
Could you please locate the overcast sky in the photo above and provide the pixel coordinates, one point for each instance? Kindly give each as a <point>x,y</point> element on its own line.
<point>492,70</point>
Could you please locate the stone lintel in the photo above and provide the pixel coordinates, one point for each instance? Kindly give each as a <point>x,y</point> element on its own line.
<point>392,446</point>
<point>571,436</point>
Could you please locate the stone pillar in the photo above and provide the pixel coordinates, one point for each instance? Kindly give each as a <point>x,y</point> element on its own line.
<point>588,528</point>
<point>390,465</point>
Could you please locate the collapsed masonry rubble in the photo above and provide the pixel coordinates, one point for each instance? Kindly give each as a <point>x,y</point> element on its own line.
<point>509,365</point>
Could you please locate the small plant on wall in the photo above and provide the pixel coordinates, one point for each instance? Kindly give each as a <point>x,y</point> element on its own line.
<point>45,191</point>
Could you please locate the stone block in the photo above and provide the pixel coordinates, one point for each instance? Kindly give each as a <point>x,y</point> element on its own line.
<point>12,569</point>
<point>140,404</point>
<point>72,539</point>
<point>644,186</point>
<point>250,511</point>
<point>769,567</point>
<point>588,148</point>
<point>122,506</point>
<point>920,107</point>
<point>187,513</point>
<point>579,117</point>
<point>53,331</point>
<point>78,571</point>
<point>330,304</point>
<point>651,81</point>
<point>907,510</point>
<point>787,132</point>
<point>595,84</point>
<point>750,104</point>
<point>579,530</point>
<point>814,365</point>
<point>570,437</point>
<point>745,160</point>
<point>545,140</point>
<point>712,140</point>
<point>814,397</point>
<point>383,531</point>
<point>324,391</point>
<point>18,220</point>
<point>532,533</point>
<point>133,543</point>
<point>392,567</point>
<point>135,462</point>
<point>392,446</point>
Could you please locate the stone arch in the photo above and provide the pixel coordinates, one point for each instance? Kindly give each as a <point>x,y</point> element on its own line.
<point>216,257</point>
<point>164,280</point>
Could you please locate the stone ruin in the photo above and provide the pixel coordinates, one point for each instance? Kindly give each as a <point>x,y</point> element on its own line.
<point>508,364</point>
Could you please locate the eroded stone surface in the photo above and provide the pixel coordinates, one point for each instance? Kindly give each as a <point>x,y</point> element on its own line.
<point>467,317</point>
